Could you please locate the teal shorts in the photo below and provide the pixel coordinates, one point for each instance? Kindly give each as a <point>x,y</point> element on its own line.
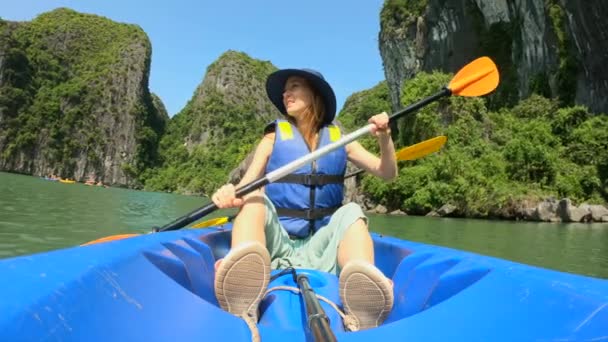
<point>319,251</point>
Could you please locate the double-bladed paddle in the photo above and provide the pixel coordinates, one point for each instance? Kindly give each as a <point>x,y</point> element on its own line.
<point>477,78</point>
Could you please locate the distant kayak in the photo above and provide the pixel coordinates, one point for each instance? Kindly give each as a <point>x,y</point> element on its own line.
<point>67,181</point>
<point>160,287</point>
<point>50,179</point>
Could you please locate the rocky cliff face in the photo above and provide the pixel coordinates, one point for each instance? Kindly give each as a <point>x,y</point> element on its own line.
<point>237,81</point>
<point>74,98</point>
<point>218,128</point>
<point>556,48</point>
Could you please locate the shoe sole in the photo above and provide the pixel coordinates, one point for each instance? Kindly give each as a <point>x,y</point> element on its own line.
<point>242,279</point>
<point>366,294</point>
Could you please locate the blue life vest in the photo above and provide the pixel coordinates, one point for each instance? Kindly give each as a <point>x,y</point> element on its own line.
<point>306,198</point>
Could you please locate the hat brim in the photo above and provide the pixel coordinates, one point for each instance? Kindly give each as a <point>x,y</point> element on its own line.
<point>275,86</point>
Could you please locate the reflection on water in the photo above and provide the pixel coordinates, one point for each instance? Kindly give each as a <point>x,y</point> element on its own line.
<point>38,215</point>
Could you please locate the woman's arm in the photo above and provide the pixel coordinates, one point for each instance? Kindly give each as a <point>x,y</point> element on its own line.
<point>384,167</point>
<point>260,159</point>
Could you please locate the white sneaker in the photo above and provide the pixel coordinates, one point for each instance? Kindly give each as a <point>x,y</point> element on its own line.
<point>242,278</point>
<point>367,295</point>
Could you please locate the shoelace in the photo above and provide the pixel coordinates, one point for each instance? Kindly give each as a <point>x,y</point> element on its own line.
<point>253,327</point>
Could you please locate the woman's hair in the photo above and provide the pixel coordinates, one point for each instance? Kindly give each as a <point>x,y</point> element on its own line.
<point>315,113</point>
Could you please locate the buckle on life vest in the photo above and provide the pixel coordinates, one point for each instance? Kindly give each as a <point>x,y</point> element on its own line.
<point>308,179</point>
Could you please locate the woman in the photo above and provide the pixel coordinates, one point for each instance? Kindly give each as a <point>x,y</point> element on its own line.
<point>299,221</point>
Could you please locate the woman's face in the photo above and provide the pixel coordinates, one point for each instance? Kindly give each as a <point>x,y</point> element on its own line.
<point>297,96</point>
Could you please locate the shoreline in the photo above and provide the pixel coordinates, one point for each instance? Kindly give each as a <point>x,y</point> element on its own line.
<point>549,210</point>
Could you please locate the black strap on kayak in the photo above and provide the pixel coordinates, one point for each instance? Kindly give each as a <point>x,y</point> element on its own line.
<point>285,271</point>
<point>308,214</point>
<point>318,322</point>
<point>312,179</point>
<point>317,327</point>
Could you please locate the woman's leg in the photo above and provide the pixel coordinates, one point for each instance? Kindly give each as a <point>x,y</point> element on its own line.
<point>356,244</point>
<point>242,276</point>
<point>325,248</point>
<point>366,293</point>
<point>258,221</point>
<point>345,248</point>
<point>249,222</point>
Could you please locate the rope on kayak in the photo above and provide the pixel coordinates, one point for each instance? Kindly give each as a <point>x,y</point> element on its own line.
<point>253,327</point>
<point>350,322</point>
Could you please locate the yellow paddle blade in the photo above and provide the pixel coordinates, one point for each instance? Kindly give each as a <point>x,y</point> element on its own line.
<point>213,222</point>
<point>477,78</point>
<point>110,238</point>
<point>421,149</point>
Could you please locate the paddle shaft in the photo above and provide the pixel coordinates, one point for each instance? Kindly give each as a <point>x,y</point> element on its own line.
<point>296,164</point>
<point>318,322</point>
<point>353,174</point>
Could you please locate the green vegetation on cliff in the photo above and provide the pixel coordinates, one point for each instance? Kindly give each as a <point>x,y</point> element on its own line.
<point>400,13</point>
<point>63,74</point>
<point>493,160</point>
<point>359,107</point>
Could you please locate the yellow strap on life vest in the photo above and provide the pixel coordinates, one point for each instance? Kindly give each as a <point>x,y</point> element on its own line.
<point>285,130</point>
<point>334,133</point>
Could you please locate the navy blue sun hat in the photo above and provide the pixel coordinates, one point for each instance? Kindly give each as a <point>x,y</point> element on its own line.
<point>275,86</point>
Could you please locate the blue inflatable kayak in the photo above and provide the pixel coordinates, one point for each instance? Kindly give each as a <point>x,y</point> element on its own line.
<point>159,287</point>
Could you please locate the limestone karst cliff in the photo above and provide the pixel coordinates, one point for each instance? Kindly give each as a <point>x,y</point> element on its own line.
<point>218,127</point>
<point>74,98</point>
<point>556,48</point>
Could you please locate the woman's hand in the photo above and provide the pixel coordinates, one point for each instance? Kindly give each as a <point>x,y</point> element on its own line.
<point>225,197</point>
<point>380,122</point>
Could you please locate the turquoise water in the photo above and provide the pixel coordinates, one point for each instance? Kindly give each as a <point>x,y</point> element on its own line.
<point>38,215</point>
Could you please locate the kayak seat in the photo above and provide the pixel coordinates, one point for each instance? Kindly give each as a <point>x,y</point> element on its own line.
<point>415,280</point>
<point>219,242</point>
<point>387,255</point>
<point>455,280</point>
<point>199,262</point>
<point>170,265</point>
<point>423,280</point>
<point>190,263</point>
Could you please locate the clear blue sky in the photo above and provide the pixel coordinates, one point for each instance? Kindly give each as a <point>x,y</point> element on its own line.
<point>337,37</point>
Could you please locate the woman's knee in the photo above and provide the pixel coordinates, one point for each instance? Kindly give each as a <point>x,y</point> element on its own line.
<point>352,206</point>
<point>350,210</point>
<point>358,227</point>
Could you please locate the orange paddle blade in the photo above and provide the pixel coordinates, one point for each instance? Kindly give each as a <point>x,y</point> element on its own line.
<point>110,238</point>
<point>477,78</point>
<point>421,149</point>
